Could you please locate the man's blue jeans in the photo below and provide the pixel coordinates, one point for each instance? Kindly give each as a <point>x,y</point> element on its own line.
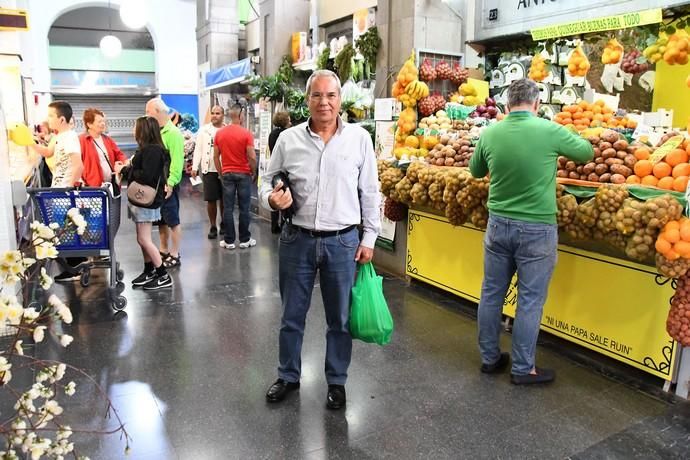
<point>301,257</point>
<point>531,250</point>
<point>239,185</point>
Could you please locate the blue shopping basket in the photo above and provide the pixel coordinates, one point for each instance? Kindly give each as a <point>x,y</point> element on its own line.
<point>92,205</point>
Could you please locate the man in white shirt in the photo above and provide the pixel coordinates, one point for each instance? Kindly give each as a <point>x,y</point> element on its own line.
<point>331,167</point>
<point>66,152</point>
<point>203,160</point>
<point>64,148</point>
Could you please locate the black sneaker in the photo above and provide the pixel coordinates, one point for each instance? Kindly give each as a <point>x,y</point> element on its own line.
<point>67,276</point>
<point>159,282</point>
<point>222,228</point>
<point>213,233</point>
<point>144,278</point>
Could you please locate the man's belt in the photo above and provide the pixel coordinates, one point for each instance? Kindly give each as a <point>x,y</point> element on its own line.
<point>320,234</point>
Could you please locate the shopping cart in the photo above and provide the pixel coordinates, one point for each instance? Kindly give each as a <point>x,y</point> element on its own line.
<point>101,210</point>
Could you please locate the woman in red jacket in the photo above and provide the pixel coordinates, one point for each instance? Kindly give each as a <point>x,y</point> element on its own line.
<point>98,151</point>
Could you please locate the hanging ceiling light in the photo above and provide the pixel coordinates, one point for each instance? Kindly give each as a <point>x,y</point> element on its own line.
<point>110,45</point>
<point>134,13</point>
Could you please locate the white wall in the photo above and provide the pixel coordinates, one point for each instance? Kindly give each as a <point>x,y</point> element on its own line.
<point>332,10</point>
<point>172,24</point>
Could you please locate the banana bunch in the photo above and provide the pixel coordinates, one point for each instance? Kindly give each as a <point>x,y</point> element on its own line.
<point>417,89</point>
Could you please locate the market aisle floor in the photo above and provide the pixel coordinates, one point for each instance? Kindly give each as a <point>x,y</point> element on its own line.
<point>188,368</point>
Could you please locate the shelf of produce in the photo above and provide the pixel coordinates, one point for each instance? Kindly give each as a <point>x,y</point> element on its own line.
<point>610,305</point>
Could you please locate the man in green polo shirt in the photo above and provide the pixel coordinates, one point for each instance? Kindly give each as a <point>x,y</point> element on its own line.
<point>170,211</point>
<point>520,155</point>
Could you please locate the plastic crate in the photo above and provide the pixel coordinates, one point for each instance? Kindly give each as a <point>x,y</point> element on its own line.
<point>93,206</point>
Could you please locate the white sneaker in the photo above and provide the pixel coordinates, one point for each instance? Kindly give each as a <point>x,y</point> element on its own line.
<point>248,244</point>
<point>225,245</point>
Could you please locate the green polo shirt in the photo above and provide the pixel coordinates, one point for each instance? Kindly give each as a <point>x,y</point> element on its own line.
<point>520,154</point>
<point>174,142</point>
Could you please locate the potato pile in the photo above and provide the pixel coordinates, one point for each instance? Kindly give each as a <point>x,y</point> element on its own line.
<point>452,190</point>
<point>617,219</point>
<point>451,151</point>
<point>678,321</point>
<point>389,178</point>
<point>614,161</point>
<point>611,215</point>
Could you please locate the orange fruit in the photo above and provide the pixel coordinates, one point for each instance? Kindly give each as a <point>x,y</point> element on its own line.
<point>680,183</point>
<point>666,183</point>
<point>632,179</point>
<point>642,153</point>
<point>661,169</point>
<point>672,225</point>
<point>682,248</point>
<point>676,156</point>
<point>643,168</point>
<point>649,180</point>
<point>672,255</point>
<point>682,169</point>
<point>632,124</point>
<point>672,235</point>
<point>685,230</point>
<point>662,245</point>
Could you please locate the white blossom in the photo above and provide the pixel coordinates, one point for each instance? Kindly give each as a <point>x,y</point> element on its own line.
<point>35,391</point>
<point>46,280</point>
<point>39,334</point>
<point>30,315</point>
<point>60,371</point>
<point>65,313</point>
<point>65,340</point>
<point>77,219</point>
<point>70,388</point>
<point>28,261</point>
<point>52,407</point>
<point>39,448</point>
<point>64,433</point>
<point>46,250</point>
<point>18,347</point>
<point>19,427</point>
<point>5,372</point>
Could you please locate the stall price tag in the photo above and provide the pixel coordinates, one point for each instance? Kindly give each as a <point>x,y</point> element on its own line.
<point>660,153</point>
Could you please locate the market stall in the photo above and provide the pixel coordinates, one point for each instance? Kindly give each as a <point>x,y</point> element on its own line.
<point>624,250</point>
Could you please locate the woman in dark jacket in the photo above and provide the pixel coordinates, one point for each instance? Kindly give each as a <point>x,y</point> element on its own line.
<point>149,166</point>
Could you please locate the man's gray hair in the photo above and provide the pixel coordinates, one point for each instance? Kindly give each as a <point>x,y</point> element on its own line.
<point>521,92</point>
<point>322,74</point>
<point>159,105</point>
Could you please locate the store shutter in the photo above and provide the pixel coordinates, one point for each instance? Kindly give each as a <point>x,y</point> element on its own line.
<point>121,113</point>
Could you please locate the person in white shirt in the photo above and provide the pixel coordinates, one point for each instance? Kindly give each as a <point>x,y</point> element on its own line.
<point>203,160</point>
<point>66,151</point>
<point>64,147</point>
<point>331,168</point>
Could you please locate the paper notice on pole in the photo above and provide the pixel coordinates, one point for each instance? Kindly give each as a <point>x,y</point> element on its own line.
<point>383,109</point>
<point>385,139</point>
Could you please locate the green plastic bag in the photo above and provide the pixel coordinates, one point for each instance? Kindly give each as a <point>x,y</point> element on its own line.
<point>370,319</point>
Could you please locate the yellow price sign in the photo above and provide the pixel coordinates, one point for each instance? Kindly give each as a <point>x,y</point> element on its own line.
<point>660,153</point>
<point>620,21</point>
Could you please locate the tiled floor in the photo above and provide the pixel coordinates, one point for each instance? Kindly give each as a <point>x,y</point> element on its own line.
<point>187,370</point>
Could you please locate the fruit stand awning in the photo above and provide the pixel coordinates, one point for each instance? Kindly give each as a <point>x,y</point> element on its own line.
<point>228,75</point>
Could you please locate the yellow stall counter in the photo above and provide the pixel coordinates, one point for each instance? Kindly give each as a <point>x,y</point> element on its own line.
<point>612,306</point>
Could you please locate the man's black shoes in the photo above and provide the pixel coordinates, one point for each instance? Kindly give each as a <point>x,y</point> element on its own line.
<point>498,366</point>
<point>280,389</point>
<point>336,398</point>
